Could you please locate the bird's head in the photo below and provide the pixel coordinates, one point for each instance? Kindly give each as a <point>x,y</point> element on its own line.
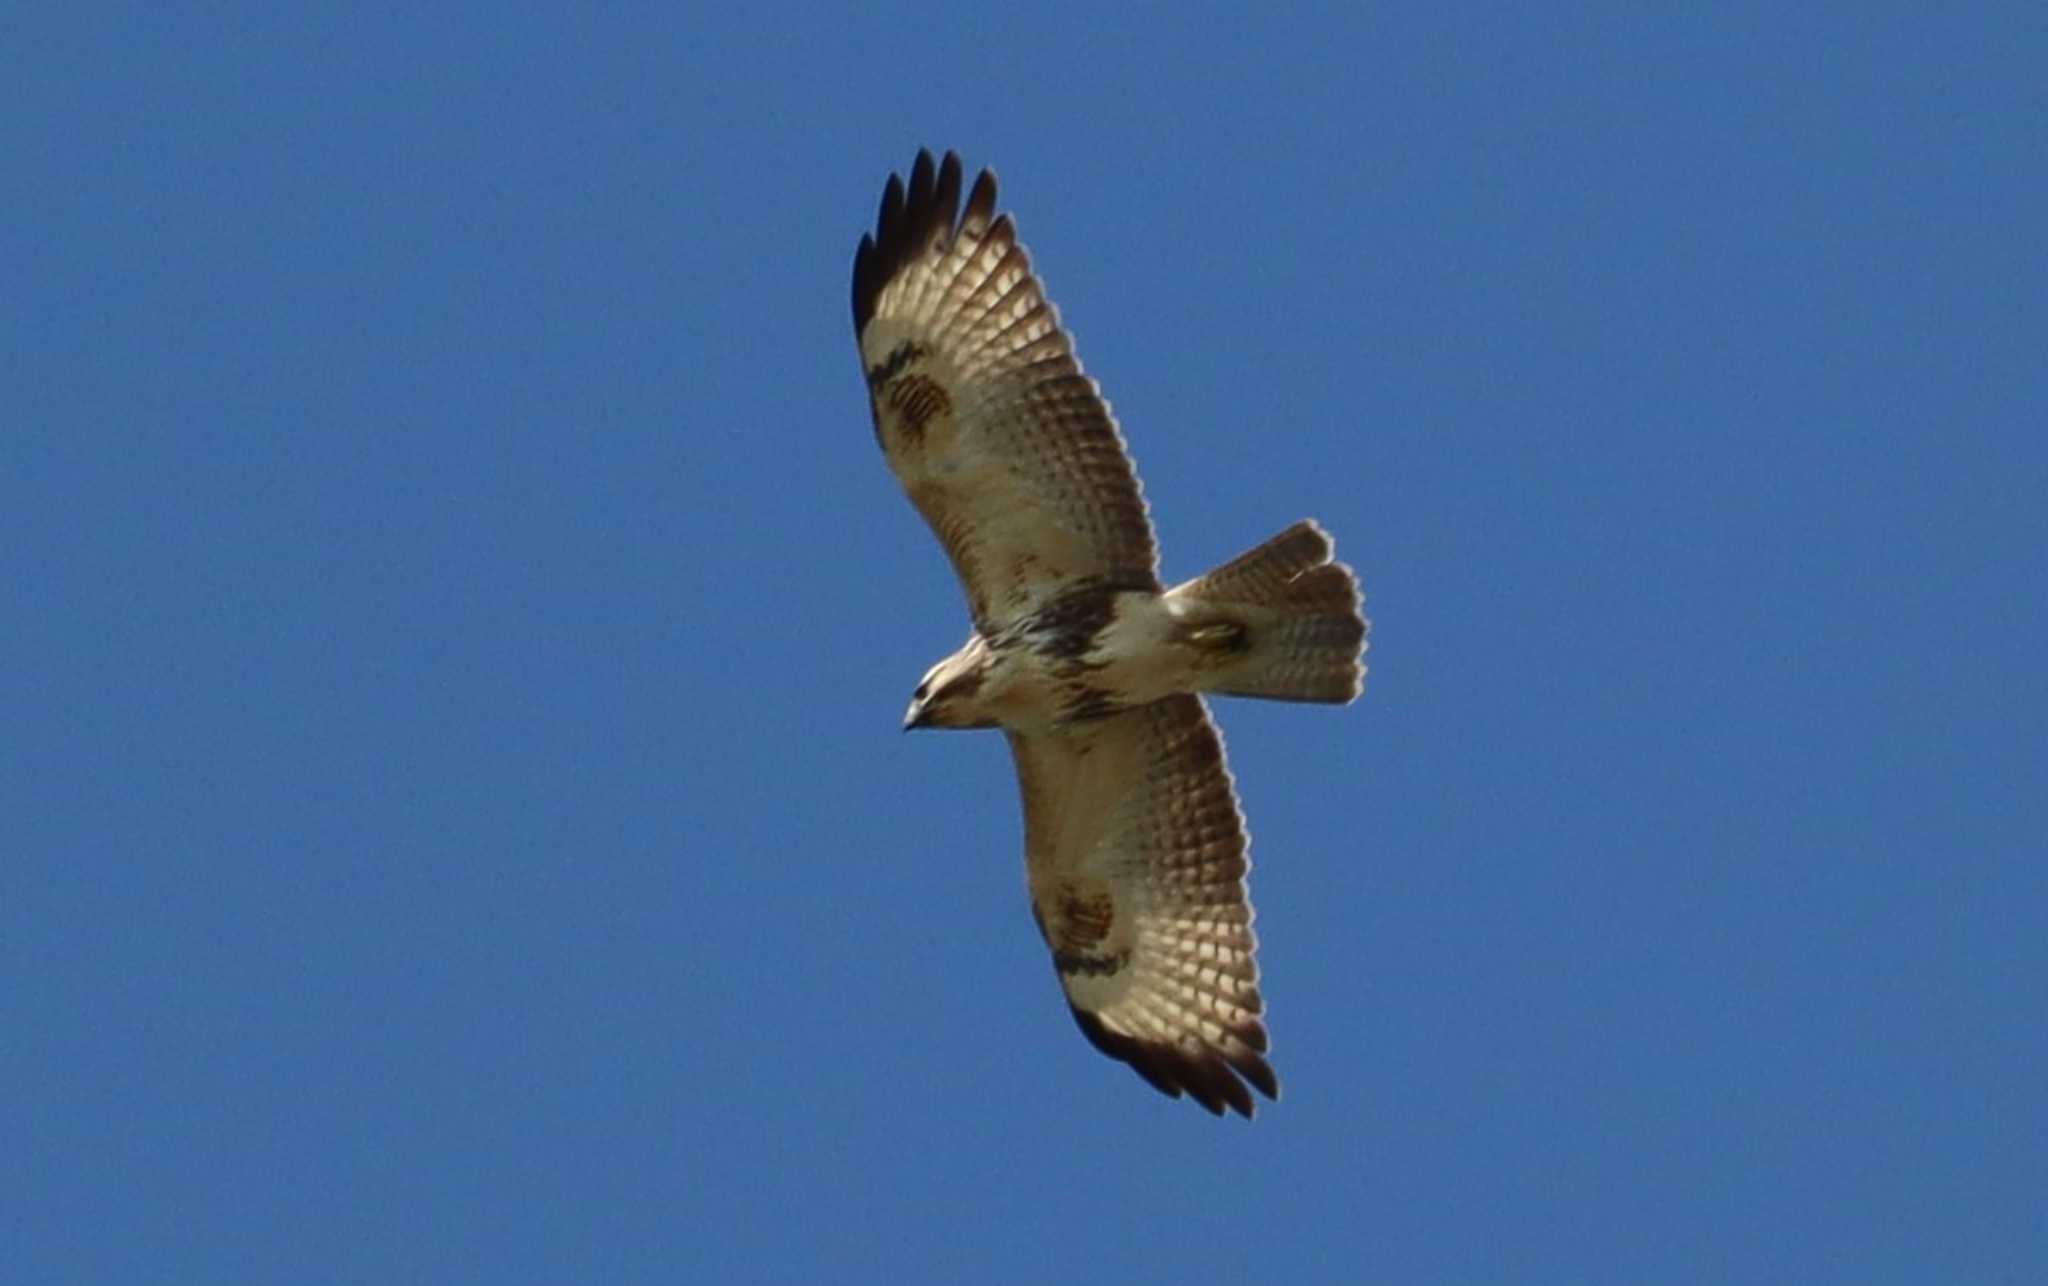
<point>949,696</point>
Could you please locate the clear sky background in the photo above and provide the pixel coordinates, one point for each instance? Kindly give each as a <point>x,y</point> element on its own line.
<point>456,622</point>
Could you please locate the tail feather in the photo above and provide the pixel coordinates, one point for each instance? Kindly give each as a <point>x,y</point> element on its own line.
<point>1265,574</point>
<point>1304,633</point>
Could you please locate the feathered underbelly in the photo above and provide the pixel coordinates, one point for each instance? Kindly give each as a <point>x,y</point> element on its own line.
<point>1091,659</point>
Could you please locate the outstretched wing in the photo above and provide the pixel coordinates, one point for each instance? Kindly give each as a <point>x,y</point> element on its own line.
<point>1136,854</point>
<point>1004,446</point>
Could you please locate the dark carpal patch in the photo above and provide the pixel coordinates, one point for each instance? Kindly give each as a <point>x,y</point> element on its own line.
<point>899,357</point>
<point>880,387</point>
<point>1091,964</point>
<point>916,399</point>
<point>1085,914</point>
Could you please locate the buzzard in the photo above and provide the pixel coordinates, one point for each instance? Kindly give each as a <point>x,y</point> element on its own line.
<point>1134,848</point>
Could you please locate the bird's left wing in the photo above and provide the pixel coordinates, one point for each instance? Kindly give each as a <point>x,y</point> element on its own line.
<point>1136,856</point>
<point>1004,446</point>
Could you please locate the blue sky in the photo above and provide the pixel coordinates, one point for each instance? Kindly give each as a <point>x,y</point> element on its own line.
<point>456,622</point>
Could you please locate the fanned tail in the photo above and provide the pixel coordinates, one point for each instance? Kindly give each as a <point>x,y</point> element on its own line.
<point>1291,616</point>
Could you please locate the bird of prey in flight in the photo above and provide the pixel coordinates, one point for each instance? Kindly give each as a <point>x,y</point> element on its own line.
<point>1134,847</point>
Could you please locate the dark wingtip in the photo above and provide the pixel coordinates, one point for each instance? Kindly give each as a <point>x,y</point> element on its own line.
<point>1209,1080</point>
<point>910,218</point>
<point>1259,1072</point>
<point>864,287</point>
<point>871,265</point>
